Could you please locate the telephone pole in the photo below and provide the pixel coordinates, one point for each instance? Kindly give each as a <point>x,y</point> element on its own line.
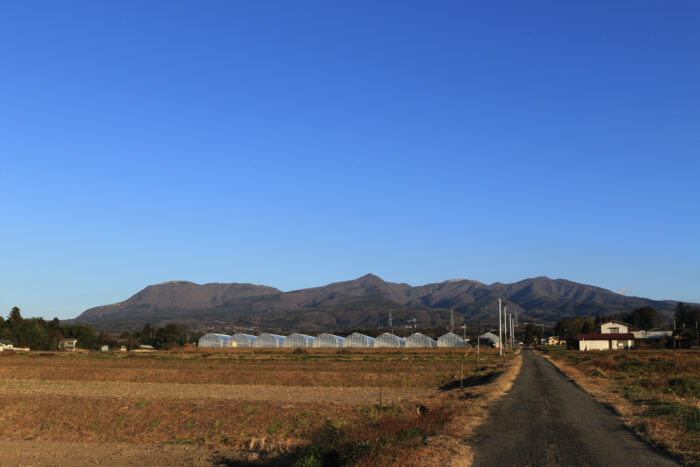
<point>500,323</point>
<point>505,326</point>
<point>507,330</point>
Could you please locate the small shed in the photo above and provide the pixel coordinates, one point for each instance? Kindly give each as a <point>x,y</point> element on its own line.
<point>268,341</point>
<point>389,340</point>
<point>358,340</point>
<point>451,340</point>
<point>243,340</point>
<point>420,340</point>
<point>5,344</point>
<point>68,344</point>
<point>328,341</point>
<point>104,348</point>
<point>297,341</point>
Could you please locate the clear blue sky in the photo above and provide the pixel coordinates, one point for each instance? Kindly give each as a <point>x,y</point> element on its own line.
<point>295,144</point>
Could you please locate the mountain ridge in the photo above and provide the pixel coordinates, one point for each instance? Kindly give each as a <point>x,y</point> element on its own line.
<point>359,303</point>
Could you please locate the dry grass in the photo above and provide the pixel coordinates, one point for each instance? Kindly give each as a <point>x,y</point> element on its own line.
<point>405,368</point>
<point>656,392</point>
<point>325,406</point>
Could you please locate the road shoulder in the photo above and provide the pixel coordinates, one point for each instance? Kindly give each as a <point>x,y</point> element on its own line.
<point>480,399</point>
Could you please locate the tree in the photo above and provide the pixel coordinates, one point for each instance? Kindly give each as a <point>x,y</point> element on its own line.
<point>15,315</point>
<point>532,334</point>
<point>687,319</point>
<point>146,336</point>
<point>17,327</point>
<point>87,339</point>
<point>569,329</point>
<point>644,318</point>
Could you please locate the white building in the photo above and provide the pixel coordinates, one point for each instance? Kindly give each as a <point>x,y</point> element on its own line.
<point>5,345</point>
<point>613,335</point>
<point>68,344</point>
<point>653,334</point>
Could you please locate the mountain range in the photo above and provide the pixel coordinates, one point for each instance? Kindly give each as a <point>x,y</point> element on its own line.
<point>360,303</point>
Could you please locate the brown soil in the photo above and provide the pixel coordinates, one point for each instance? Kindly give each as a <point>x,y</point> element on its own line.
<point>164,408</point>
<point>339,395</point>
<point>61,453</point>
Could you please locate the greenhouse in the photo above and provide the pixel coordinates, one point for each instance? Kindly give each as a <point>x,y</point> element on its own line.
<point>358,340</point>
<point>420,340</point>
<point>269,341</point>
<point>243,340</point>
<point>328,341</point>
<point>491,338</point>
<point>451,340</point>
<point>296,341</point>
<point>212,340</point>
<point>389,340</point>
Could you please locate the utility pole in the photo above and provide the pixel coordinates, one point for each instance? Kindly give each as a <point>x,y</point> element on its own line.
<point>505,327</point>
<point>500,340</point>
<point>505,323</point>
<point>452,319</point>
<point>478,348</point>
<point>512,331</point>
<point>391,323</point>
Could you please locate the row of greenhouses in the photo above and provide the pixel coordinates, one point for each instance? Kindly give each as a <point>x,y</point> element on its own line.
<point>328,341</point>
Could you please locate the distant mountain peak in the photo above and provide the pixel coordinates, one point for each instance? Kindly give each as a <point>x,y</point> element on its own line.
<point>371,276</point>
<point>362,302</point>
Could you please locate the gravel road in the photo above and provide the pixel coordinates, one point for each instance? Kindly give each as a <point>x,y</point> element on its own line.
<point>546,420</point>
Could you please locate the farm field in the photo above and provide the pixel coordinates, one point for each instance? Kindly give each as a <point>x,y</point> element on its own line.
<point>271,407</point>
<point>657,392</point>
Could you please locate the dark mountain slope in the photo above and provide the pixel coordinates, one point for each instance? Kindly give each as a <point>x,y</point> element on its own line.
<point>363,302</point>
<point>180,295</point>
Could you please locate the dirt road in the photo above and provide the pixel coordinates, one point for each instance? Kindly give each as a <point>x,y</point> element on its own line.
<point>546,420</point>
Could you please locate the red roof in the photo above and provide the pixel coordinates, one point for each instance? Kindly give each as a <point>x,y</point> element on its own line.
<point>606,337</point>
